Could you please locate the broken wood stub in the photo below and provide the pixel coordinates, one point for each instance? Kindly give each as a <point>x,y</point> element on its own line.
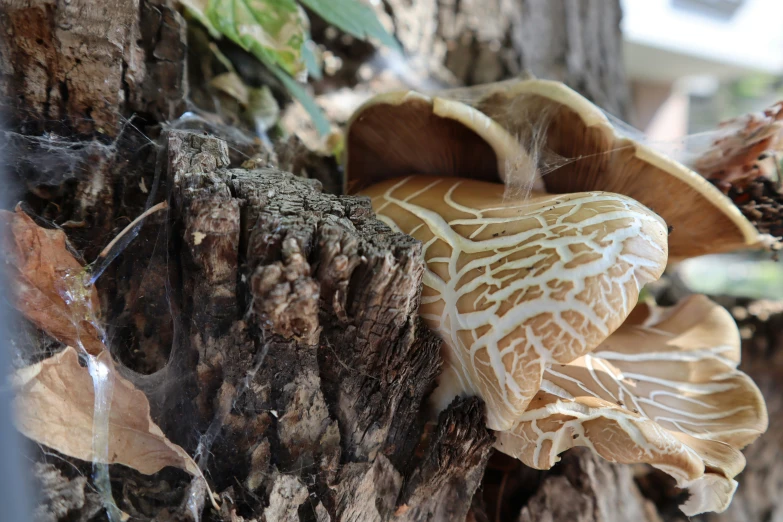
<point>312,368</point>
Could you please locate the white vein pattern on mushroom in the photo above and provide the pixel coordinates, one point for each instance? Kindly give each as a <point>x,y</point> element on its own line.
<point>511,286</point>
<point>523,289</point>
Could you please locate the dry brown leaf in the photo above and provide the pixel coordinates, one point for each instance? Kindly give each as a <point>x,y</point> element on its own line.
<point>54,406</point>
<point>46,282</point>
<point>746,148</point>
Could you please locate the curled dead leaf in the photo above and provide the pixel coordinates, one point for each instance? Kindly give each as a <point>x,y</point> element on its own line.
<point>54,406</point>
<point>46,283</point>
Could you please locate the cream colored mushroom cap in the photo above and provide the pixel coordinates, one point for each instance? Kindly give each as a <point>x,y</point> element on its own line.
<point>448,134</point>
<point>511,286</point>
<point>662,390</point>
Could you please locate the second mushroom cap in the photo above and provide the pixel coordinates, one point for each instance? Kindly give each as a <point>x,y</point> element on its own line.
<point>537,134</point>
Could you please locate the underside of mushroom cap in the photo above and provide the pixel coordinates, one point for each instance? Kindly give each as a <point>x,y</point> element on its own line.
<point>559,134</point>
<point>511,286</point>
<point>596,156</point>
<point>399,133</point>
<point>664,391</point>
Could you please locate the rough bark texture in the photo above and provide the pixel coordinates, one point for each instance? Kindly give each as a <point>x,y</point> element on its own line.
<point>588,489</point>
<point>273,325</point>
<point>52,55</point>
<point>479,41</point>
<point>317,395</point>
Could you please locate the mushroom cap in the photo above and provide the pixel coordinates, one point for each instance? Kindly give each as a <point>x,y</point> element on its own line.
<point>664,390</point>
<point>472,133</point>
<point>513,285</point>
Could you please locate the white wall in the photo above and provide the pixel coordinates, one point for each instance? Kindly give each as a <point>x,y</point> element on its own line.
<point>664,41</point>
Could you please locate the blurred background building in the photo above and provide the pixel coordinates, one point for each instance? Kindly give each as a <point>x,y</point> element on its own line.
<point>690,65</point>
<point>693,63</point>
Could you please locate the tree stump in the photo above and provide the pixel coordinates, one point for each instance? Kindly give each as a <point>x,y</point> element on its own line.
<point>312,365</point>
<point>271,325</point>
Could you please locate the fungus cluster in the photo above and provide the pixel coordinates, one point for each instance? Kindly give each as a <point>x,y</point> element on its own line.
<point>532,280</point>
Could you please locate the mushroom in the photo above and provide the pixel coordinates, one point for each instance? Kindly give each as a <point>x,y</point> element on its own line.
<point>512,285</point>
<point>528,274</point>
<point>664,389</point>
<point>476,132</point>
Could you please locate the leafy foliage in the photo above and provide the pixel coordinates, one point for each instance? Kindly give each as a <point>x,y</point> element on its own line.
<point>354,18</point>
<point>277,33</point>
<point>273,30</point>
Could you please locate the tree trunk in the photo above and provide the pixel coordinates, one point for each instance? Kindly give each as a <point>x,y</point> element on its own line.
<point>475,41</point>
<point>271,325</point>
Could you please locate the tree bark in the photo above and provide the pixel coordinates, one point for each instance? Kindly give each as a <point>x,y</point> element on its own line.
<point>469,42</point>
<point>273,326</point>
<point>329,372</point>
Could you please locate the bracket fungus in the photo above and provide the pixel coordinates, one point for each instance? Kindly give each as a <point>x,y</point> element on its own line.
<point>540,224</point>
<point>496,132</point>
<point>664,389</point>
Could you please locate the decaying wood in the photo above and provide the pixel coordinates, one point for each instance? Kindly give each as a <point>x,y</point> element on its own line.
<point>324,379</point>
<point>51,54</point>
<point>72,76</point>
<point>46,69</point>
<point>595,490</point>
<point>762,203</point>
<point>273,325</point>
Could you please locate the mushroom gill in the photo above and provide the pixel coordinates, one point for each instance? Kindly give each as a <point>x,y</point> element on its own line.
<point>663,391</point>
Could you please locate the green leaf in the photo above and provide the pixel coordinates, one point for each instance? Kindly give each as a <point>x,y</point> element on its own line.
<point>300,94</point>
<point>355,18</point>
<point>273,30</point>
<point>311,62</point>
<point>197,9</point>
